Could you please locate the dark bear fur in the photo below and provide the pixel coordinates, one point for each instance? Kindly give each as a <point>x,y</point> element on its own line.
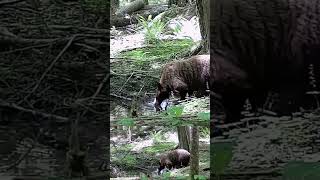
<point>174,159</point>
<point>182,77</point>
<point>272,41</point>
<point>232,84</point>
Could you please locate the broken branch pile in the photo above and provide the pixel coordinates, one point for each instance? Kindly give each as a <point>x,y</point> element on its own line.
<point>52,57</point>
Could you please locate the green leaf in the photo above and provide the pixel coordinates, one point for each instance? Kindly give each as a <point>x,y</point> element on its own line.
<point>298,170</point>
<point>126,122</point>
<point>181,178</point>
<point>199,177</point>
<point>144,177</point>
<point>166,175</point>
<point>175,111</point>
<point>175,122</point>
<point>204,116</point>
<point>221,155</point>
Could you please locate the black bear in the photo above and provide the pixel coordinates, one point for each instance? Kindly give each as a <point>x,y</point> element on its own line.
<point>182,77</point>
<point>174,159</point>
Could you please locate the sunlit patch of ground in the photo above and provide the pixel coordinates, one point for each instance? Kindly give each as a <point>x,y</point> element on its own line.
<point>197,105</point>
<point>189,29</point>
<point>144,151</point>
<point>126,42</point>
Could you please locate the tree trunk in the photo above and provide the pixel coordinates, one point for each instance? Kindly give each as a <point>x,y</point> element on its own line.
<point>194,165</point>
<point>204,21</point>
<point>184,137</point>
<point>132,7</point>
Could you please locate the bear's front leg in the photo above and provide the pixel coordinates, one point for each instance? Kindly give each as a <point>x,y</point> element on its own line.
<point>181,88</point>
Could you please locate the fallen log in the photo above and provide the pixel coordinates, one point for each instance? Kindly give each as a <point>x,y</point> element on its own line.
<point>120,20</point>
<point>130,8</point>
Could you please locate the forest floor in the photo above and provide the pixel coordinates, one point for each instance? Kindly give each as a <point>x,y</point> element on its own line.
<point>53,56</point>
<point>134,87</point>
<point>267,147</point>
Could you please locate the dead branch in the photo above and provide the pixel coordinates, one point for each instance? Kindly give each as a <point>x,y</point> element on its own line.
<point>7,2</point>
<point>105,79</point>
<point>63,27</point>
<point>17,162</point>
<point>121,97</point>
<point>25,48</point>
<point>51,65</point>
<point>125,82</point>
<point>90,48</point>
<point>46,115</point>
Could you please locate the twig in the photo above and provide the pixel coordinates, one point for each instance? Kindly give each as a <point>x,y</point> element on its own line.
<point>105,79</point>
<point>125,82</point>
<point>51,65</point>
<point>25,48</point>
<point>135,73</point>
<point>121,97</point>
<point>17,162</point>
<point>14,106</point>
<point>87,47</point>
<point>141,88</point>
<point>10,2</point>
<point>61,27</point>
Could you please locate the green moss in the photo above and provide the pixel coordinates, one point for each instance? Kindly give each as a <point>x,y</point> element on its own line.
<point>164,51</point>
<point>125,148</point>
<point>158,148</point>
<point>128,161</point>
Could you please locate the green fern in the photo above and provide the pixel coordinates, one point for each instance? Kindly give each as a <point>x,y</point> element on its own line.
<point>153,28</point>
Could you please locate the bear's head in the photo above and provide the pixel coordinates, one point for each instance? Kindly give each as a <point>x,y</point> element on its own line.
<point>164,163</point>
<point>162,93</point>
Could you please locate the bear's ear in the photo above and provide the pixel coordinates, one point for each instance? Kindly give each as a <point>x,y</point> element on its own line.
<point>159,86</point>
